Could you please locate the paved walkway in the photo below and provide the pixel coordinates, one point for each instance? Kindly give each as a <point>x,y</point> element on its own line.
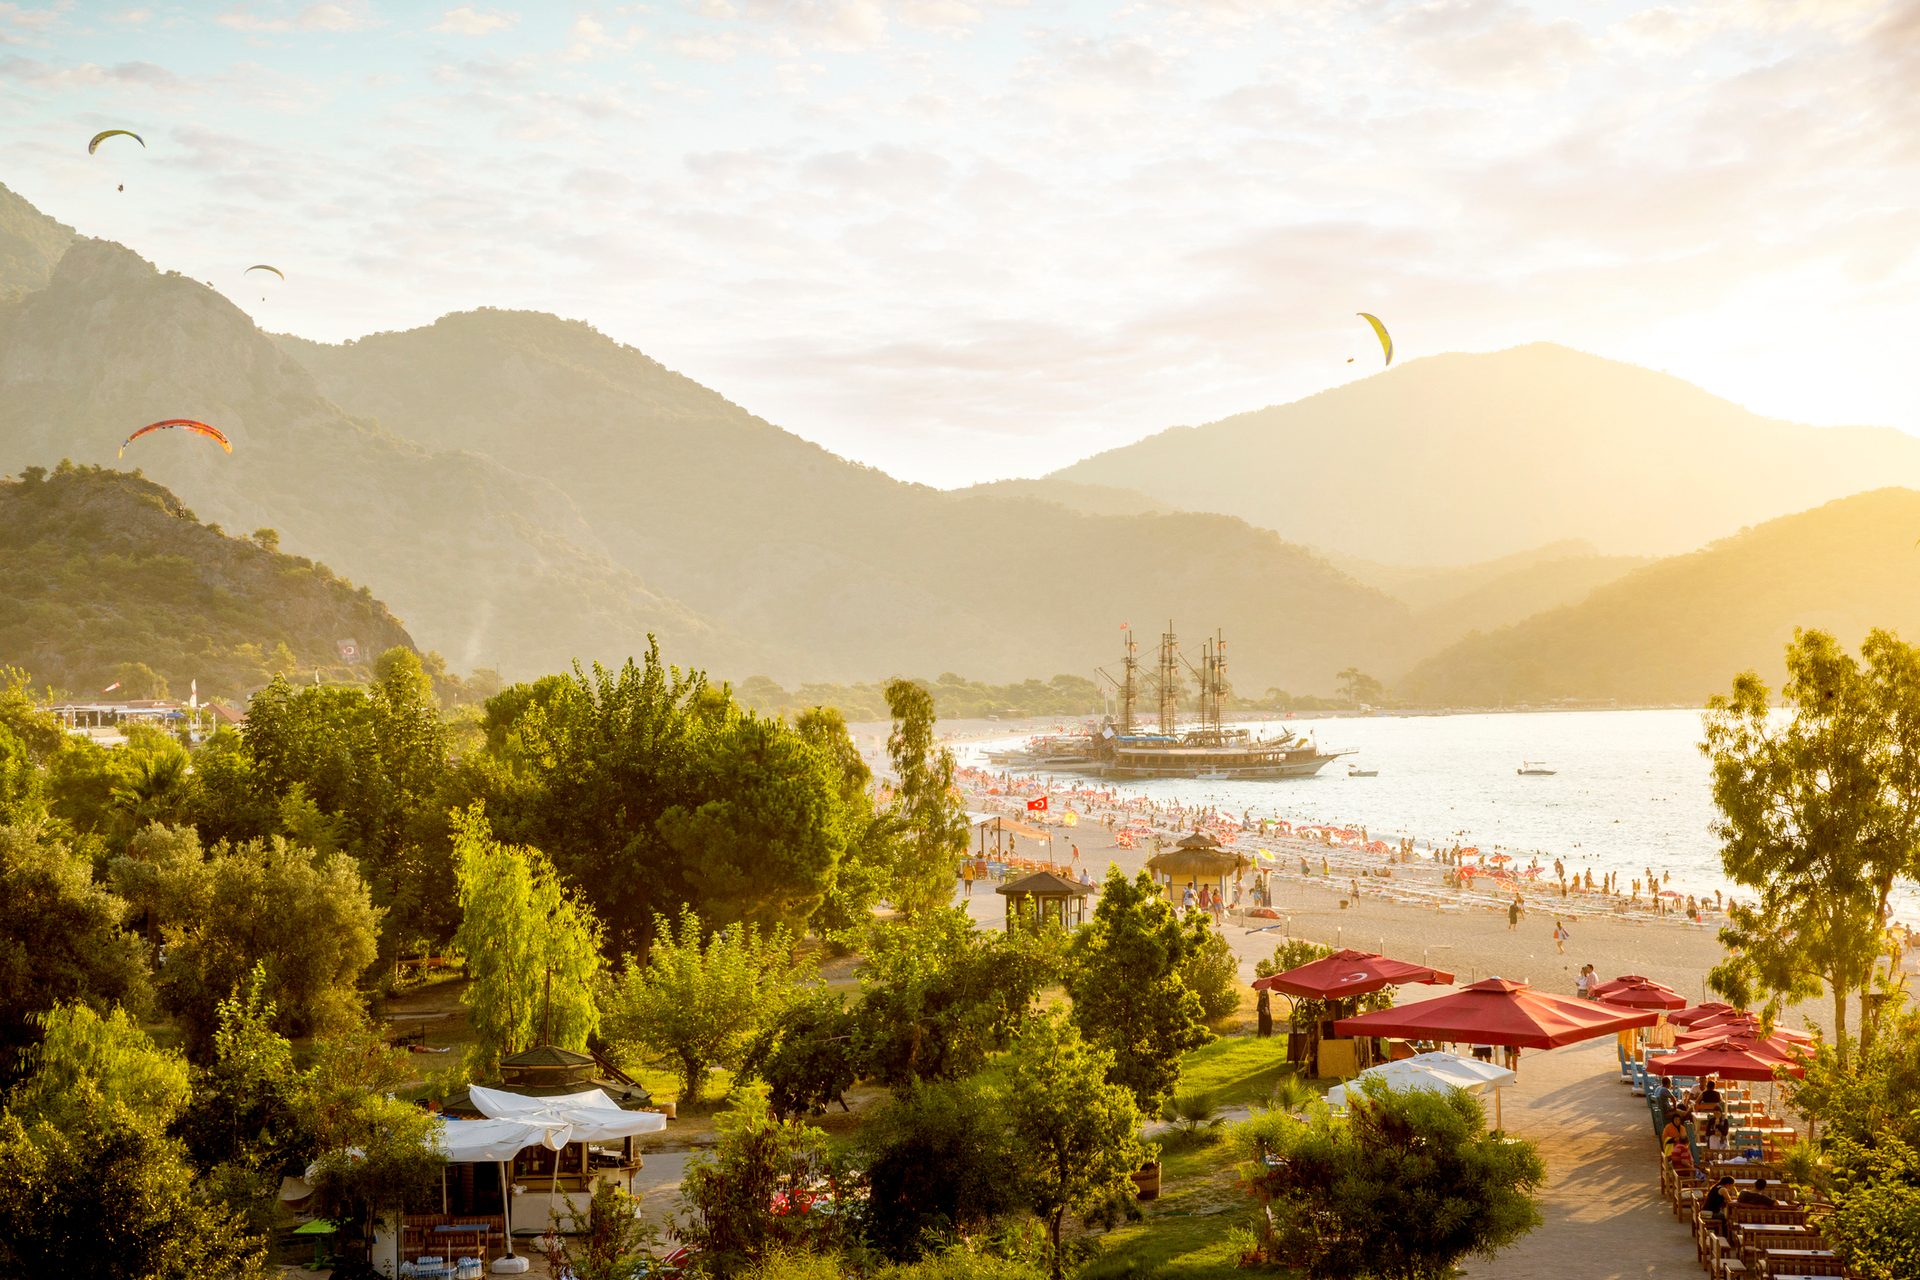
<point>1604,1218</point>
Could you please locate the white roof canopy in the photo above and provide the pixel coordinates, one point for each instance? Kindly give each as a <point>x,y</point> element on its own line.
<point>1435,1072</point>
<point>587,1116</point>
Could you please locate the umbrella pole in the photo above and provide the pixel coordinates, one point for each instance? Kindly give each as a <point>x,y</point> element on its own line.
<point>1498,1126</point>
<point>506,1207</point>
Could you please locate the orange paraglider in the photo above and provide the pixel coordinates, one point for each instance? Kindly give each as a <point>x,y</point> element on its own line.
<point>180,424</point>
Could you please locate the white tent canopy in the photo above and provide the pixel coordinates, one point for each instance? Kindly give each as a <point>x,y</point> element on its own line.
<point>489,1141</point>
<point>1431,1071</point>
<point>587,1116</point>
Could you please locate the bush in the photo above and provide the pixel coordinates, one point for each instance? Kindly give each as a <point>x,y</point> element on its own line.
<point>808,1056</point>
<point>938,1166</point>
<point>1210,970</point>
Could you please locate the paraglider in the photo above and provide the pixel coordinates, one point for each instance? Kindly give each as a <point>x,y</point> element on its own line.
<point>261,266</point>
<point>93,144</point>
<point>180,424</point>
<point>1380,331</point>
<point>104,134</point>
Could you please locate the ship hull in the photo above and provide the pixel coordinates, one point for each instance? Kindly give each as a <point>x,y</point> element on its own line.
<point>1254,771</point>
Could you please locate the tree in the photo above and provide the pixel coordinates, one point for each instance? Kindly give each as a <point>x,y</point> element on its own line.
<point>60,940</point>
<point>90,1183</point>
<point>937,1156</point>
<point>941,996</point>
<point>386,1159</point>
<point>1074,1135</point>
<point>1819,815</point>
<point>808,1054</point>
<point>84,1059</point>
<point>532,947</point>
<point>1210,969</point>
<point>1358,688</point>
<point>700,998</point>
<point>1123,972</point>
<point>307,920</point>
<point>1404,1188</point>
<point>243,1103</point>
<point>652,791</point>
<point>1864,1149</point>
<point>860,876</point>
<point>926,810</point>
<point>767,1185</point>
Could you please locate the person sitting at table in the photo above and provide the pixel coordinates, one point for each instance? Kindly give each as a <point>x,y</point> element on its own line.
<point>1719,1196</point>
<point>1709,1096</point>
<point>1680,1156</point>
<point>1717,1131</point>
<point>1676,1128</point>
<point>1757,1195</point>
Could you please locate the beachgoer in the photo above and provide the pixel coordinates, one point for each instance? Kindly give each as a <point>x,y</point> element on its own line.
<point>1719,1196</point>
<point>1583,984</point>
<point>1675,1131</point>
<point>1560,936</point>
<point>1513,914</point>
<point>966,874</point>
<point>1186,898</point>
<point>1757,1194</point>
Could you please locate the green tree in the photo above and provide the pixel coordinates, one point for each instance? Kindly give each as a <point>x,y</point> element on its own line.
<point>1819,816</point>
<point>768,1185</point>
<point>937,1156</point>
<point>86,1060</point>
<point>1075,1137</point>
<point>1863,1155</point>
<point>532,947</point>
<point>60,940</point>
<point>1404,1188</point>
<point>1210,969</point>
<point>868,857</point>
<point>701,997</point>
<point>931,825</point>
<point>308,920</point>
<point>1124,974</point>
<point>1357,688</point>
<point>941,996</point>
<point>385,1159</point>
<point>90,1183</point>
<point>243,1103</point>
<point>808,1054</point>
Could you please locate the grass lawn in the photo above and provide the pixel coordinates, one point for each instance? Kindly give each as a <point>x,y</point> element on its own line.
<point>1235,1069</point>
<point>1184,1232</point>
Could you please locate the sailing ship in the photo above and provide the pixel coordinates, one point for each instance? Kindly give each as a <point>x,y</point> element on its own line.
<point>1210,750</point>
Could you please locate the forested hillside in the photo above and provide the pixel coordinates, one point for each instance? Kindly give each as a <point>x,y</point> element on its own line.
<point>103,571</point>
<point>1676,631</point>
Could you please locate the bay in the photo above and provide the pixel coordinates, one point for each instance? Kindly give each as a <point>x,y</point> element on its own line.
<point>1630,790</point>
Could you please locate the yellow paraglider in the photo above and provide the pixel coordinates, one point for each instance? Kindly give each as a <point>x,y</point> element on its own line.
<point>1380,331</point>
<point>104,134</point>
<point>261,266</point>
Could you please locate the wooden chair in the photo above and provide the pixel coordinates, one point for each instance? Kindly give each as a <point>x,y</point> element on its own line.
<point>1724,1263</point>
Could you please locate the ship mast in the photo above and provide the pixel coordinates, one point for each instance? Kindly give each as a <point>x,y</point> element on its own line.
<point>1129,687</point>
<point>1169,680</point>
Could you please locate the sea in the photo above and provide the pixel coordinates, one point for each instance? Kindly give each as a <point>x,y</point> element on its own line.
<point>1630,789</point>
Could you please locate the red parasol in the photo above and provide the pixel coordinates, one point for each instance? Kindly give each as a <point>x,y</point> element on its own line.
<point>1700,1012</point>
<point>1745,1027</point>
<point>1642,995</point>
<point>1349,973</point>
<point>1732,1059</point>
<point>1499,1012</point>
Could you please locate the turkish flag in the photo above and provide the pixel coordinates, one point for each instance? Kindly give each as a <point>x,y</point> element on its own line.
<point>1038,805</point>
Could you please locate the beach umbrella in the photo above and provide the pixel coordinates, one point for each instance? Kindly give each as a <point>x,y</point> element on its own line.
<point>1497,1011</point>
<point>1625,980</point>
<point>1688,1017</point>
<point>1732,1059</point>
<point>1644,995</point>
<point>1433,1072</point>
<point>1747,1028</point>
<point>1348,973</point>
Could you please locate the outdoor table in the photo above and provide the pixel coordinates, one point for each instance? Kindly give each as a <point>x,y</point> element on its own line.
<point>320,1229</point>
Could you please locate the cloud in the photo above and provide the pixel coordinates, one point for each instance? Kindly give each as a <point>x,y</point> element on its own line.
<point>590,38</point>
<point>22,25</point>
<point>315,17</point>
<point>469,21</point>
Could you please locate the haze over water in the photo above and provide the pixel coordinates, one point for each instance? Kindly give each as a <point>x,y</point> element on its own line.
<point>1632,789</point>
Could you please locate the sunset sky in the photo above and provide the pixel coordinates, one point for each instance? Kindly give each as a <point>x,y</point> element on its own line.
<point>963,239</point>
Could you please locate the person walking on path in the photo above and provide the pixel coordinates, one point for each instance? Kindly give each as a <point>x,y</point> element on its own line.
<point>1560,936</point>
<point>966,874</point>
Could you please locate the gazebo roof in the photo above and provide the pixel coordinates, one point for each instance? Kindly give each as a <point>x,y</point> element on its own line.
<point>1198,840</point>
<point>1207,859</point>
<point>547,1055</point>
<point>1044,884</point>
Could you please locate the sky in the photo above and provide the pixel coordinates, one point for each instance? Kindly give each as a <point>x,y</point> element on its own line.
<point>962,240</point>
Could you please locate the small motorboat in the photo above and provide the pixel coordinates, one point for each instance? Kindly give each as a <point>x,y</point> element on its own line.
<point>1355,771</point>
<point>1535,769</point>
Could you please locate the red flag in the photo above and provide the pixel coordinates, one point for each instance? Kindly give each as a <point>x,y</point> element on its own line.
<point>110,688</point>
<point>1037,805</point>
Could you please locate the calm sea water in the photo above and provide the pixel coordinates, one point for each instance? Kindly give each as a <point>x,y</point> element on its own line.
<point>1631,791</point>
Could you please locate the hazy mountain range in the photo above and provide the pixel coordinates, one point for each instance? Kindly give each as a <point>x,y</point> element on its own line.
<point>523,491</point>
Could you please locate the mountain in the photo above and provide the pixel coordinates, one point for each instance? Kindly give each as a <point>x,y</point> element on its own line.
<point>1459,458</point>
<point>835,570</point>
<point>488,565</point>
<point>1449,601</point>
<point>30,244</point>
<point>1678,630</point>
<point>101,568</point>
<point>1092,499</point>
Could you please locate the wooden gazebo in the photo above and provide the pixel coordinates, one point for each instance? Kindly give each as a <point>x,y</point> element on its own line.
<point>1034,900</point>
<point>1198,859</point>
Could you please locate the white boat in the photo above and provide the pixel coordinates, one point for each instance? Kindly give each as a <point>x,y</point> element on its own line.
<point>1355,771</point>
<point>1535,769</point>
